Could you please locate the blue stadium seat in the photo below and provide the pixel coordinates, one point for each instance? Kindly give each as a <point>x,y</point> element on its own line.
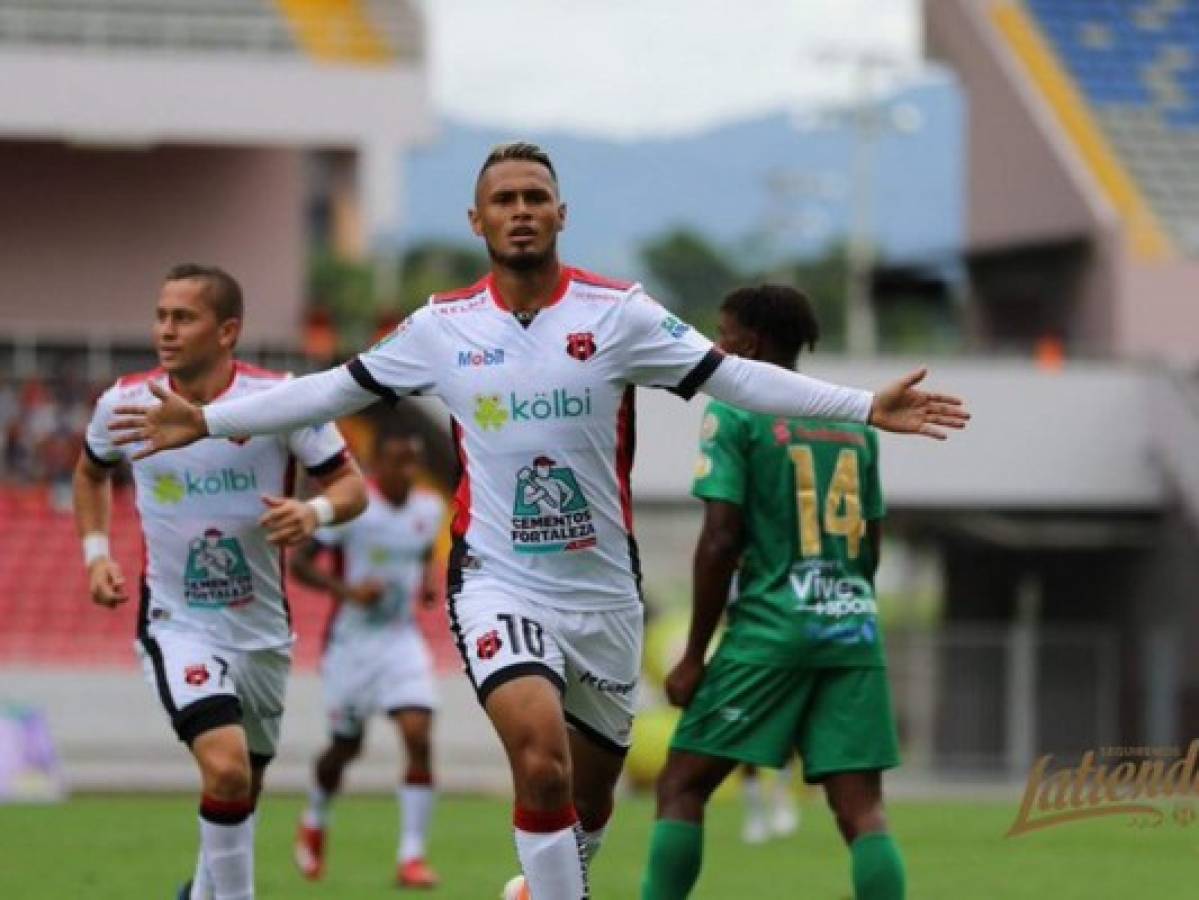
<point>1137,65</point>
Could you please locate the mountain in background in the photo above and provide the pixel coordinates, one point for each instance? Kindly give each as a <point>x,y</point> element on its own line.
<point>771,187</point>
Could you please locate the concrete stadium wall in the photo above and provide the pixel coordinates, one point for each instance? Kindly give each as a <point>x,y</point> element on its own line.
<point>1079,439</point>
<point>1158,314</point>
<point>87,235</point>
<point>111,734</point>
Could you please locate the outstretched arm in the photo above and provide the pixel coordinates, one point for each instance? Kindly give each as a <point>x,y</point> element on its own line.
<point>295,403</point>
<point>899,407</point>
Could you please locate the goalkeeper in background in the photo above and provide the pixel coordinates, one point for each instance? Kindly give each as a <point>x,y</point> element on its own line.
<point>794,507</point>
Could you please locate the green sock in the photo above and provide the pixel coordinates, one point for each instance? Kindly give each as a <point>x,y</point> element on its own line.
<point>676,851</point>
<point>877,868</point>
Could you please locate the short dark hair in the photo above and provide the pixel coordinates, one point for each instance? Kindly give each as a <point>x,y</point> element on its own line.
<point>383,437</point>
<point>778,314</point>
<point>521,151</point>
<point>223,293</point>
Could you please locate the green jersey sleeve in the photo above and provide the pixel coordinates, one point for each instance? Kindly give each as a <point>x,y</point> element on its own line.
<point>873,505</point>
<point>721,472</point>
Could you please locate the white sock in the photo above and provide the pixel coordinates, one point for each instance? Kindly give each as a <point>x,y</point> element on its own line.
<point>416,808</point>
<point>550,847</point>
<point>316,815</point>
<point>201,883</point>
<point>228,849</point>
<point>594,838</point>
<point>752,790</point>
<point>783,798</point>
<point>592,841</point>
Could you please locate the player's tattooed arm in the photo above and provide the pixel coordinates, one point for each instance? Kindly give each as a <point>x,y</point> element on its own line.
<point>716,556</point>
<point>92,490</point>
<point>290,522</point>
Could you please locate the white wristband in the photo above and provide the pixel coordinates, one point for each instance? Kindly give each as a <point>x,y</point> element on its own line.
<point>323,507</point>
<point>95,546</point>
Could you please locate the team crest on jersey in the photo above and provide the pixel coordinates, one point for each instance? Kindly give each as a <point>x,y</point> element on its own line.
<point>550,513</point>
<point>580,345</point>
<point>488,645</point>
<point>196,675</point>
<point>217,573</point>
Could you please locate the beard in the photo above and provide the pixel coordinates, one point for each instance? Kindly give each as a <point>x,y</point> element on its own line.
<point>523,260</point>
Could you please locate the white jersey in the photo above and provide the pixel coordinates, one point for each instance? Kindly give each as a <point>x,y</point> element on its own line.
<point>208,566</point>
<point>388,544</point>
<point>543,423</point>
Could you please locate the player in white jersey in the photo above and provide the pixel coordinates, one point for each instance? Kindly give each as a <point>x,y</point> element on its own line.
<point>375,659</point>
<point>538,363</point>
<point>214,630</point>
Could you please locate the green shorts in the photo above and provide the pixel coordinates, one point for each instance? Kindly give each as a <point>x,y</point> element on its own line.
<point>839,720</point>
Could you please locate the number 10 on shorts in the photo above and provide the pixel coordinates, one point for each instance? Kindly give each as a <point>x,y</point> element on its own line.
<point>523,636</point>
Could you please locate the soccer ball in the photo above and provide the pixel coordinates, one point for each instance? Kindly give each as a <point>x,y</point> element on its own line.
<point>515,889</point>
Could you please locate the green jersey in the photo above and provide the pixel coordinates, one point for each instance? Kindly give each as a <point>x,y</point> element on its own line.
<point>807,487</point>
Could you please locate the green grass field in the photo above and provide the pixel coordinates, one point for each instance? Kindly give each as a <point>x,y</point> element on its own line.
<point>142,847</point>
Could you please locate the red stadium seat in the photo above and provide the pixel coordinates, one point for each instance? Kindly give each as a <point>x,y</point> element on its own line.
<point>48,619</point>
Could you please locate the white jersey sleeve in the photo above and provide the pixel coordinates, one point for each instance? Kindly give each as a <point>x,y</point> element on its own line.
<point>291,404</point>
<point>766,388</point>
<point>402,363</point>
<point>97,442</point>
<point>660,350</point>
<point>320,449</point>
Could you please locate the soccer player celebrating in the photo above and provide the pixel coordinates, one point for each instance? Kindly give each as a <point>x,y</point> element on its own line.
<point>214,630</point>
<point>796,503</point>
<point>375,658</point>
<point>537,363</point>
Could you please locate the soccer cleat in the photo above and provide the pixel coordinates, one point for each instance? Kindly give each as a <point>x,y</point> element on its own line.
<point>516,889</point>
<point>416,874</point>
<point>310,851</point>
<point>756,830</point>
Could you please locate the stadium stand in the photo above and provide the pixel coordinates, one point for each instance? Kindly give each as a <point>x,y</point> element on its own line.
<point>1136,66</point>
<point>44,603</point>
<point>344,31</point>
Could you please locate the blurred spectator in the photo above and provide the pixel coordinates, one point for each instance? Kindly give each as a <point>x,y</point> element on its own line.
<point>41,432</point>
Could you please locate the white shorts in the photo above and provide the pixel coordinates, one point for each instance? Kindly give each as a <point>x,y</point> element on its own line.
<point>379,674</point>
<point>593,657</point>
<point>204,687</point>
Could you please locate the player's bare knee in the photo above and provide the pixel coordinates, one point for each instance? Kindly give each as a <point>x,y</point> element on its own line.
<point>680,794</point>
<point>226,776</point>
<point>419,757</point>
<point>856,819</point>
<point>542,776</point>
<point>346,750</point>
